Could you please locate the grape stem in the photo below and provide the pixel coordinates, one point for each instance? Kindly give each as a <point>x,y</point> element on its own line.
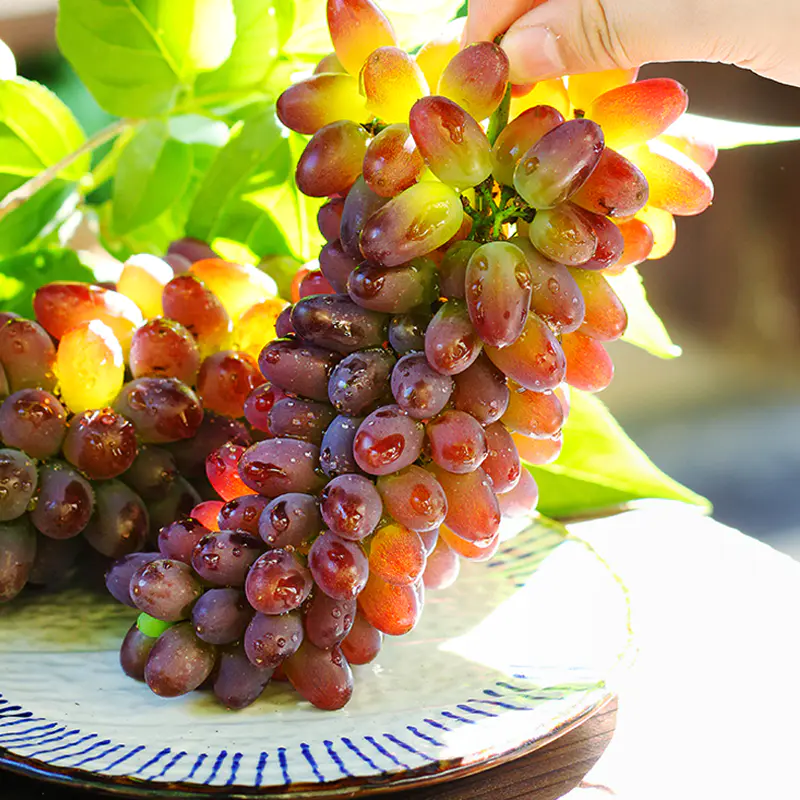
<point>13,200</point>
<point>499,118</point>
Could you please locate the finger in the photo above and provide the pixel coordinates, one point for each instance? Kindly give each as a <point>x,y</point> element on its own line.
<point>489,18</point>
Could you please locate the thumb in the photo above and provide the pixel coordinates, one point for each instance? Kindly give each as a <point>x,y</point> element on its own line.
<point>571,37</point>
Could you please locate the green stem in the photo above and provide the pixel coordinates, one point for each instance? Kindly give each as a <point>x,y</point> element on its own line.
<point>499,119</point>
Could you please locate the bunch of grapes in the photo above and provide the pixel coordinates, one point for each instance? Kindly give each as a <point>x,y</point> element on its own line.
<point>461,291</point>
<point>113,396</point>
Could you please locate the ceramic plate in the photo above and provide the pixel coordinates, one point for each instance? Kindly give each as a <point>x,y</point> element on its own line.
<point>517,652</point>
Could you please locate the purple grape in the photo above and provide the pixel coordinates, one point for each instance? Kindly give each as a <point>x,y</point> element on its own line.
<point>134,652</point>
<point>191,249</point>
<point>120,523</point>
<point>238,683</point>
<point>300,419</point>
<point>283,324</point>
<point>363,643</point>
<point>457,441</point>
<point>17,555</point>
<point>336,265</point>
<point>214,431</point>
<point>323,677</point>
<point>359,205</point>
<point>221,616</point>
<point>33,420</point>
<point>28,355</point>
<point>298,367</point>
<point>481,391</point>
<point>271,638</point>
<point>290,520</point>
<point>360,381</point>
<point>102,443</point>
<point>351,506</point>
<point>242,513</point>
<point>336,451</point>
<point>277,583</point>
<point>339,567</point>
<point>328,621</point>
<point>165,589</point>
<point>120,573</point>
<point>418,389</point>
<point>152,473</point>
<point>65,501</point>
<point>259,403</point>
<point>453,269</point>
<point>336,322</point>
<point>179,662</point>
<point>451,343</point>
<point>407,332</point>
<point>414,498</point>
<point>179,539</point>
<point>56,561</point>
<point>278,466</point>
<point>502,463</point>
<point>178,503</point>
<point>18,481</point>
<point>224,558</point>
<point>394,290</point>
<point>387,441</point>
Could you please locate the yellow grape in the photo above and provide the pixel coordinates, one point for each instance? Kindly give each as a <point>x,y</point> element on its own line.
<point>702,152</point>
<point>357,27</point>
<point>142,280</point>
<point>545,93</point>
<point>584,89</point>
<point>237,286</point>
<point>329,63</point>
<point>392,82</point>
<point>256,326</point>
<point>89,366</point>
<point>435,54</point>
<point>318,101</point>
<point>662,225</point>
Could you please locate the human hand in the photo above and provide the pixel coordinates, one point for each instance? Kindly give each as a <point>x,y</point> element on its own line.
<point>549,38</point>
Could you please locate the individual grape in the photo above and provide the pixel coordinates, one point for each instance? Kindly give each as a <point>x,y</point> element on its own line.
<point>481,391</point>
<point>207,512</point>
<point>191,249</point>
<point>407,332</point>
<point>100,443</point>
<point>215,431</point>
<point>637,244</point>
<point>518,137</point>
<point>453,269</point>
<point>429,538</point>
<point>451,343</point>
<point>357,27</point>
<point>300,419</point>
<point>442,567</point>
<point>142,280</point>
<point>329,63</point>
<point>703,152</point>
<point>436,53</point>
<point>392,162</point>
<point>323,677</point>
<point>329,219</point>
<point>237,286</point>
<point>392,82</point>
<point>418,389</point>
<point>5,316</point>
<point>298,367</point>
<point>336,450</point>
<point>609,243</point>
<point>134,652</point>
<point>476,79</point>
<point>165,589</point>
<point>177,503</point>
<point>472,510</point>
<point>539,451</point>
<point>313,283</point>
<point>283,324</point>
<point>290,520</point>
<point>535,360</point>
<point>18,482</point>
<point>453,144</point>
<point>363,643</point>
<point>241,514</point>
<point>472,551</point>
<point>589,367</point>
<point>351,506</point>
<point>412,224</point>
<point>394,290</point>
<point>188,301</point>
<point>237,682</point>
<point>502,463</point>
<point>332,160</point>
<point>521,500</point>
<point>178,540</point>
<point>319,100</point>
<point>387,441</point>
<point>278,583</point>
<point>225,380</point>
<point>605,318</point>
<point>56,563</point>
<point>616,188</point>
<point>638,112</point>
<point>65,501</point>
<point>119,575</point>
<point>583,89</point>
<point>498,292</point>
<point>259,403</point>
<point>278,466</point>
<point>537,414</point>
<point>564,234</point>
<point>392,609</point>
<point>34,421</point>
<point>457,441</point>
<point>62,305</point>
<point>360,381</point>
<point>224,558</point>
<point>677,184</point>
<point>17,555</point>
<point>397,555</point>
<point>662,226</point>
<point>162,409</point>
<point>414,498</point>
<point>359,205</point>
<point>120,522</point>
<point>179,264</point>
<point>152,473</point>
<point>338,566</point>
<point>258,324</point>
<point>336,322</point>
<point>89,366</point>
<point>328,621</point>
<point>27,355</point>
<point>560,163</point>
<point>272,638</point>
<point>179,662</point>
<point>163,348</point>
<point>221,616</point>
<point>336,265</point>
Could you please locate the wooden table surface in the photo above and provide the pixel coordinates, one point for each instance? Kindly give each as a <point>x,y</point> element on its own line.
<point>708,710</point>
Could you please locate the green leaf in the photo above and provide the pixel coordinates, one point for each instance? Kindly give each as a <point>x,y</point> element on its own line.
<point>152,173</point>
<point>727,134</point>
<point>50,204</point>
<point>601,468</point>
<point>262,26</point>
<point>137,56</point>
<point>645,328</point>
<point>21,275</point>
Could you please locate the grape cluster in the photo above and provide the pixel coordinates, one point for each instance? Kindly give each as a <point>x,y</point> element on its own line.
<point>113,396</point>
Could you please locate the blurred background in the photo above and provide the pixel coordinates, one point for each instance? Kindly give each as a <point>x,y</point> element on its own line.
<point>725,417</point>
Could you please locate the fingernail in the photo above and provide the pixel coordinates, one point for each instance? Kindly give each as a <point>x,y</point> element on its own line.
<point>533,53</point>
